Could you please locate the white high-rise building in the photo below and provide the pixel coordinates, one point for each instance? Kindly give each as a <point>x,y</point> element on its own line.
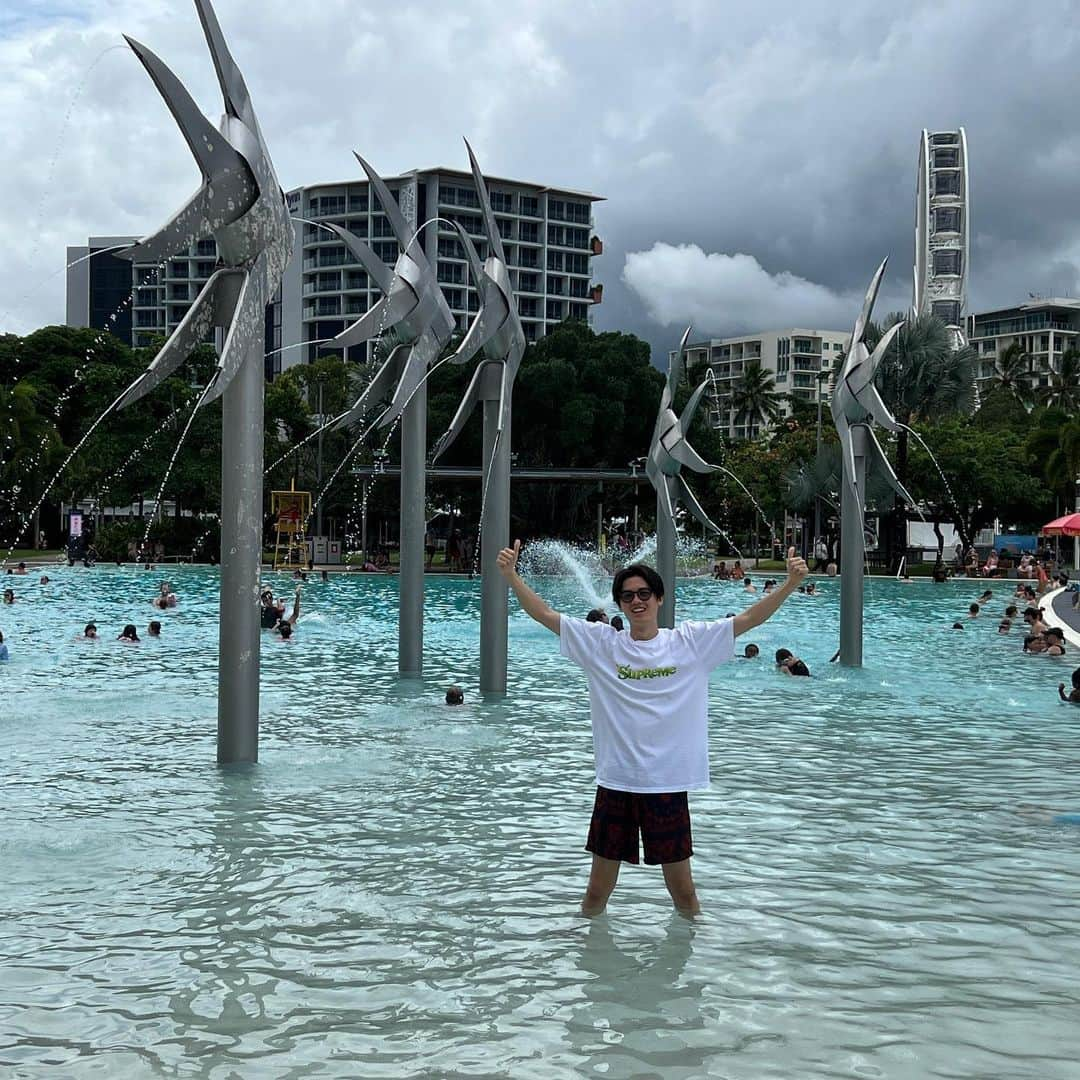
<point>942,228</point>
<point>1042,327</point>
<point>799,360</point>
<point>547,236</point>
<point>547,233</point>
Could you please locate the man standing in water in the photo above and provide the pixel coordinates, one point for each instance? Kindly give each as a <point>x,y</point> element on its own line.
<point>648,700</point>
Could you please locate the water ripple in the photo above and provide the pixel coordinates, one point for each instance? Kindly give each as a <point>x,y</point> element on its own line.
<point>391,892</point>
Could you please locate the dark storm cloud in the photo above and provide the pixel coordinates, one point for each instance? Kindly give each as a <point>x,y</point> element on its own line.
<point>785,133</point>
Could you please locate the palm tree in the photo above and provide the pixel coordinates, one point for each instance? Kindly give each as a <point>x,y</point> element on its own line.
<point>1064,389</point>
<point>754,398</point>
<point>1012,370</point>
<point>1055,445</point>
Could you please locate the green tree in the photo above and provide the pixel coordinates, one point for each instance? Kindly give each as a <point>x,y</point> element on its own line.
<point>1053,446</point>
<point>988,473</point>
<point>754,398</point>
<point>1064,389</point>
<point>1012,372</point>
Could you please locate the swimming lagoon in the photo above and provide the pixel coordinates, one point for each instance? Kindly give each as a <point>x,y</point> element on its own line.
<point>391,892</point>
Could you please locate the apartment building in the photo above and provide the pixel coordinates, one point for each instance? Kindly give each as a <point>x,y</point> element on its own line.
<point>794,358</point>
<point>136,302</point>
<point>1043,328</point>
<point>547,233</point>
<point>548,237</point>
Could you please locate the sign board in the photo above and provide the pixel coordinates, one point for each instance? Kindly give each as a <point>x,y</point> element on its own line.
<point>75,525</point>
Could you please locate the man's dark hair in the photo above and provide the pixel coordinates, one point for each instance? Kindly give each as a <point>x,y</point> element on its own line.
<point>1076,678</point>
<point>958,626</point>
<point>750,655</point>
<point>455,696</point>
<point>155,626</point>
<point>652,579</point>
<point>783,654</point>
<point>617,623</point>
<point>596,615</point>
<point>285,629</point>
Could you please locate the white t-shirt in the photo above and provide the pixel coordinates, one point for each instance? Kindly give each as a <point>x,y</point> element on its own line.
<point>649,700</point>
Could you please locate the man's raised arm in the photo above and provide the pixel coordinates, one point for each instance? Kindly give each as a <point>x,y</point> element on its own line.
<point>533,606</point>
<point>757,613</point>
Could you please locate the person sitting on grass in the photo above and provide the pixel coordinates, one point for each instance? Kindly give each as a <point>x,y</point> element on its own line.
<point>649,705</point>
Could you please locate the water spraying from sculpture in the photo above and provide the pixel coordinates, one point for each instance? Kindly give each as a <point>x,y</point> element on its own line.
<point>241,204</point>
<point>496,331</point>
<point>668,453</point>
<point>413,307</point>
<point>856,405</point>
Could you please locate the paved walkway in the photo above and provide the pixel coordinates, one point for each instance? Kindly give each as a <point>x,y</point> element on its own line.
<point>1060,612</point>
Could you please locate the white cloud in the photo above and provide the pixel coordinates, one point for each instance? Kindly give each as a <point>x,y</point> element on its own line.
<point>729,294</point>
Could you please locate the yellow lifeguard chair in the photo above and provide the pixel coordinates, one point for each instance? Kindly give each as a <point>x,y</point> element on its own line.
<point>292,509</point>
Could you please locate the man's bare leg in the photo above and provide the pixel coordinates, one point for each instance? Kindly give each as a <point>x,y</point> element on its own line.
<point>680,883</point>
<point>602,878</point>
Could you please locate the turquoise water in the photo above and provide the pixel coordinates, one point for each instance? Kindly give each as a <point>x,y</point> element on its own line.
<point>391,892</point>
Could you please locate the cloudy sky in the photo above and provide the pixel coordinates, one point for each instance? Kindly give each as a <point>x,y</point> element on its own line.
<point>758,158</point>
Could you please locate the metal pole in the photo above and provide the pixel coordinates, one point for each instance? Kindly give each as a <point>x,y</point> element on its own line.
<point>1076,539</point>
<point>852,550</point>
<point>600,516</point>
<point>665,563</point>
<point>241,556</point>
<point>817,450</point>
<point>318,467</point>
<point>363,524</point>
<point>494,535</point>
<point>411,549</point>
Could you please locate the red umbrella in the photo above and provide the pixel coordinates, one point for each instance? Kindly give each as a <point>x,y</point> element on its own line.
<point>1069,525</point>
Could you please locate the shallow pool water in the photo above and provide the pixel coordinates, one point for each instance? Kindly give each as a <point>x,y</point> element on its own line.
<point>391,892</point>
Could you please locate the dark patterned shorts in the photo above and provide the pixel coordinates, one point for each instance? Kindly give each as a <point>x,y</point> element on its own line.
<point>662,820</point>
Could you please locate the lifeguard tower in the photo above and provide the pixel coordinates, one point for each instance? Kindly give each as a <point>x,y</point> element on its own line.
<point>292,509</point>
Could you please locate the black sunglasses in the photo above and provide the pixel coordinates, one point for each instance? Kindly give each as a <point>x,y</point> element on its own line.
<point>628,594</point>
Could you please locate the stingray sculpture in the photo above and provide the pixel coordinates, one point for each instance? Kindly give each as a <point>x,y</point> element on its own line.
<point>414,310</point>
<point>856,405</point>
<point>240,203</point>
<point>497,332</point>
<point>669,453</point>
<point>496,329</point>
